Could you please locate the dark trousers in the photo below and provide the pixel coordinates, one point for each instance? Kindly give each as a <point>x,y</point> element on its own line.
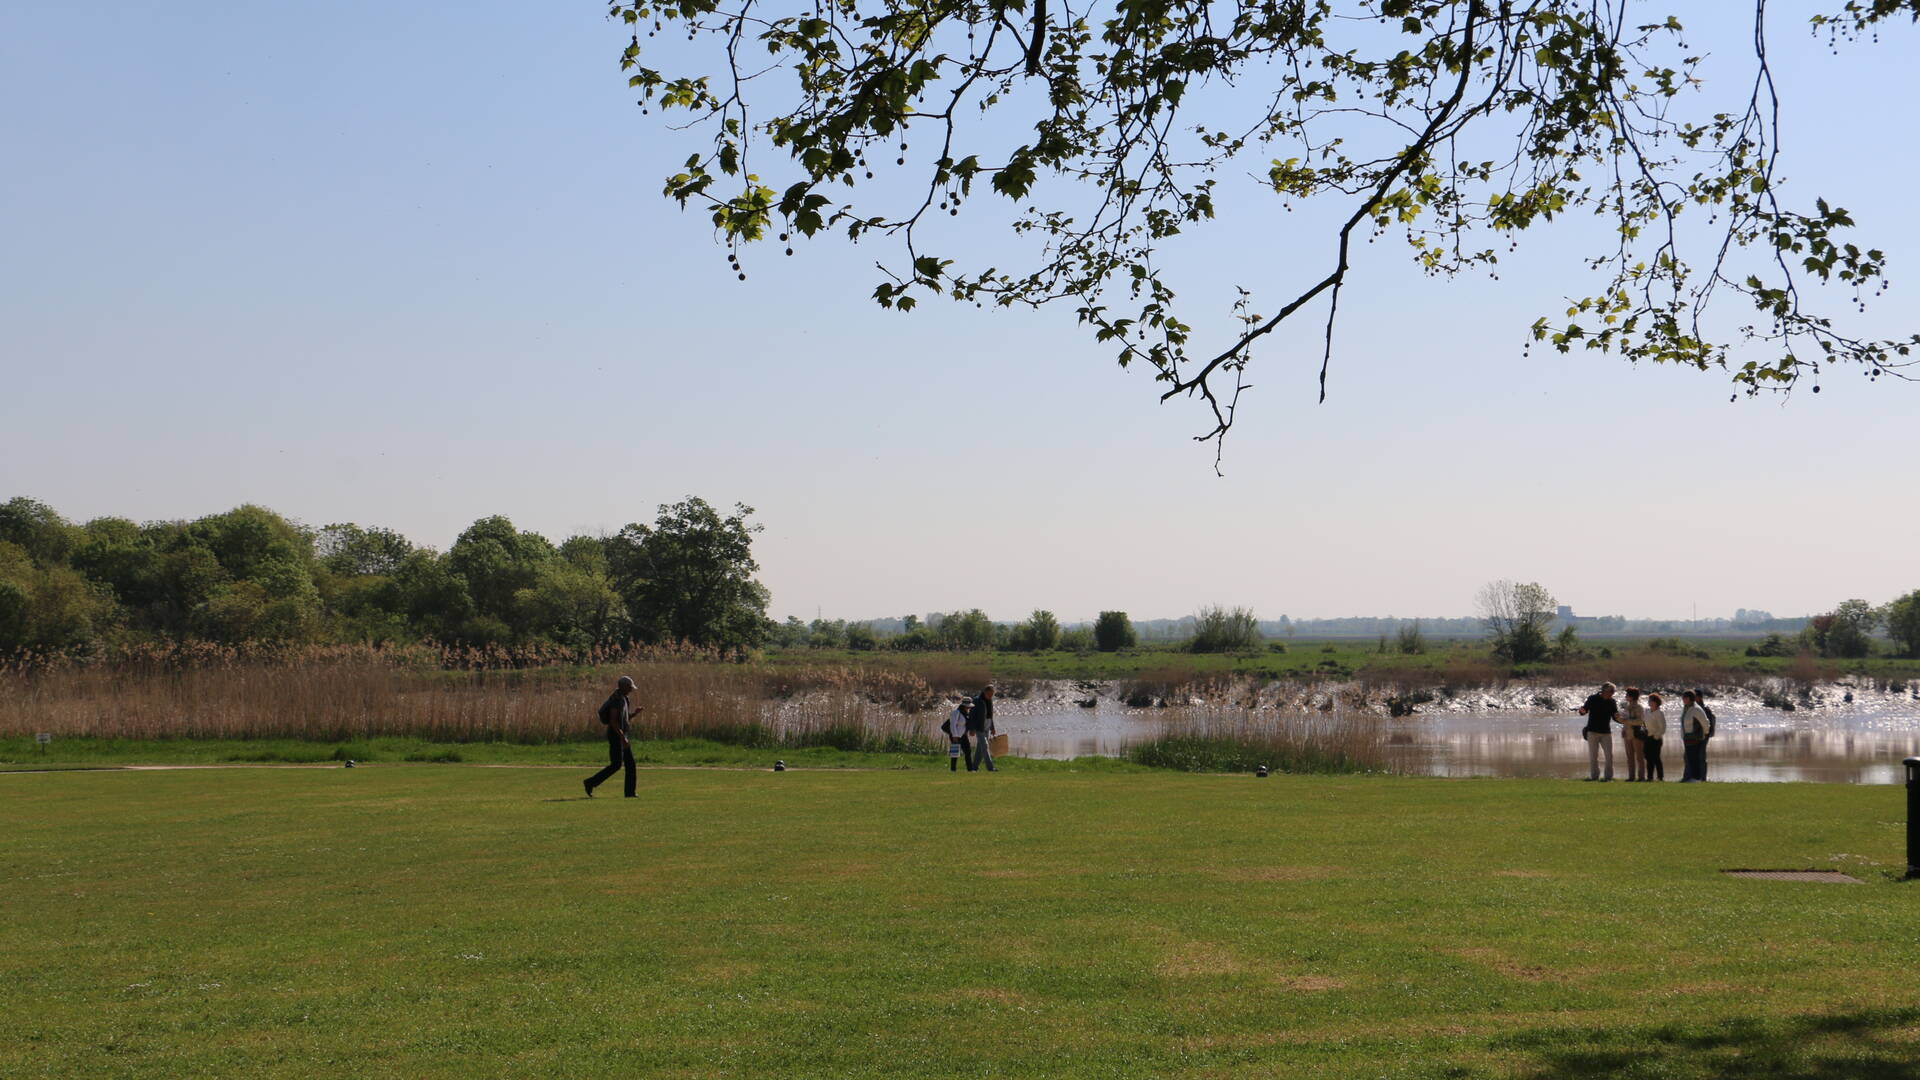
<point>966,751</point>
<point>1696,758</point>
<point>619,753</point>
<point>1655,770</point>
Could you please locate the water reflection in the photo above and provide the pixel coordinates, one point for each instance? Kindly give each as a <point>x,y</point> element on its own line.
<point>1850,744</point>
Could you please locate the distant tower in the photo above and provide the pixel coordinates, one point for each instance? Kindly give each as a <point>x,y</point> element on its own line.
<point>1564,611</point>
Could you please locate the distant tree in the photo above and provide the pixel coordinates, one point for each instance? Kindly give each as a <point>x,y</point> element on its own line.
<point>1043,630</point>
<point>1217,629</point>
<point>50,608</point>
<point>1516,617</point>
<point>827,634</point>
<point>861,637</point>
<point>37,530</point>
<point>1846,631</point>
<point>917,638</point>
<point>689,577</point>
<point>435,601</point>
<point>267,591</point>
<point>1412,640</point>
<point>502,567</point>
<point>1566,644</point>
<point>1113,631</point>
<point>965,630</point>
<point>349,550</point>
<point>1078,641</point>
<point>791,634</point>
<point>1902,619</point>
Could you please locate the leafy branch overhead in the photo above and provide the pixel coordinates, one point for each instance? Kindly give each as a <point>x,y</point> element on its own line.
<point>1108,126</point>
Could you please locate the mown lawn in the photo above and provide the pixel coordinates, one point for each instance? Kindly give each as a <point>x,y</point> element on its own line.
<point>461,921</point>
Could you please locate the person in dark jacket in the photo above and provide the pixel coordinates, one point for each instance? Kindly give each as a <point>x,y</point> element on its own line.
<point>980,727</point>
<point>1700,699</point>
<point>617,714</point>
<point>1600,711</point>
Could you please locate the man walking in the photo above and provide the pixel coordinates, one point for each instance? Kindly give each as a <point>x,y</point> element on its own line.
<point>980,727</point>
<point>617,715</point>
<point>1600,711</point>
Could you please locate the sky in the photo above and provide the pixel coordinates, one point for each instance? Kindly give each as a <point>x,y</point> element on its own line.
<point>408,265</point>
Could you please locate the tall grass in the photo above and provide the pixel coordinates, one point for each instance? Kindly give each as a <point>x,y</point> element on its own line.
<point>1227,739</point>
<point>343,693</point>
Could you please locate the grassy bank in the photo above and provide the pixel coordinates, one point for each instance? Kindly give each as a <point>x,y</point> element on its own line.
<point>445,921</point>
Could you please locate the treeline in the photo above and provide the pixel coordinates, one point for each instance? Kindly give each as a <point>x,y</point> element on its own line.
<point>252,576</point>
<point>960,631</point>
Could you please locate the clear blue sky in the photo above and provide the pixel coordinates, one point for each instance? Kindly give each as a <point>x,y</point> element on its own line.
<point>407,265</point>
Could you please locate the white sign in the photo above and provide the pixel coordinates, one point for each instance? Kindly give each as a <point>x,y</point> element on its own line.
<point>43,738</point>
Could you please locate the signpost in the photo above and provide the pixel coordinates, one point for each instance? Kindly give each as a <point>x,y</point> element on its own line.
<point>45,737</point>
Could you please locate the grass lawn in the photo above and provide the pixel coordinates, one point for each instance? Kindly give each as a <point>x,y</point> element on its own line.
<point>433,920</point>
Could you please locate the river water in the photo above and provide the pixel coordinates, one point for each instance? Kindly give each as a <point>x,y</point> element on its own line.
<point>1827,738</point>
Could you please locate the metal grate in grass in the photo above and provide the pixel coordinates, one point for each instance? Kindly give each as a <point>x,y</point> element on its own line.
<point>1830,877</point>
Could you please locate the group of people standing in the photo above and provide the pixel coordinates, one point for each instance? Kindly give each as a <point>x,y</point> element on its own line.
<point>969,729</point>
<point>1644,730</point>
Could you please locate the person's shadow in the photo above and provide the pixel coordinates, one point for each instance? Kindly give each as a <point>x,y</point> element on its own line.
<point>1865,1044</point>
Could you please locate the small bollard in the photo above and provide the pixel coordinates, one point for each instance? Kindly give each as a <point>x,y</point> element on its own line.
<point>1913,818</point>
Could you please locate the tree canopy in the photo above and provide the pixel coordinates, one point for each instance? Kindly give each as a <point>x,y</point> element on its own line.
<point>1108,125</point>
<point>250,576</point>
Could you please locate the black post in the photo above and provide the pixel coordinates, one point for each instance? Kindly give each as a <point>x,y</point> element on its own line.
<point>1913,817</point>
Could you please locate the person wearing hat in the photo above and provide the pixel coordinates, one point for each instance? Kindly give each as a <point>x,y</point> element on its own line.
<point>617,715</point>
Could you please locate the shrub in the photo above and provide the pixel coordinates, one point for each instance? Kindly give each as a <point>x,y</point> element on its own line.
<point>1412,641</point>
<point>1218,630</point>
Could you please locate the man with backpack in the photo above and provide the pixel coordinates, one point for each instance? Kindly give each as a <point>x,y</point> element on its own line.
<point>617,714</point>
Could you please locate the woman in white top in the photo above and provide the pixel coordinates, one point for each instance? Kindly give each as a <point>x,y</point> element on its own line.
<point>1693,733</point>
<point>1654,723</point>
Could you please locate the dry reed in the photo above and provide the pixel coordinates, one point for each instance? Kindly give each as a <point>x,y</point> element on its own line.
<point>334,694</point>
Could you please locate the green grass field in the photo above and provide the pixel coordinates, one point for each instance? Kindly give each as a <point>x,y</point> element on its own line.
<point>447,920</point>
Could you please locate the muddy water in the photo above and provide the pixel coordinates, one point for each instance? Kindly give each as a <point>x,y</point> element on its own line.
<point>1826,739</point>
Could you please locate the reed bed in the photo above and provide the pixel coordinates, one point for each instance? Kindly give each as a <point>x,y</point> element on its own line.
<point>1176,685</point>
<point>340,694</point>
<point>1218,738</point>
